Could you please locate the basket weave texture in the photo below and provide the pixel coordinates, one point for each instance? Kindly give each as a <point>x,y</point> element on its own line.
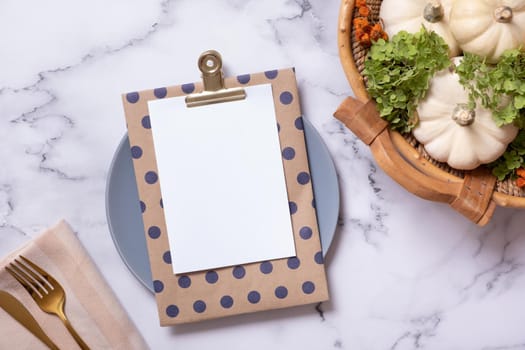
<point>353,56</point>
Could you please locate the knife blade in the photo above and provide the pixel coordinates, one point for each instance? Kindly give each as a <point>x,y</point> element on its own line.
<point>18,311</point>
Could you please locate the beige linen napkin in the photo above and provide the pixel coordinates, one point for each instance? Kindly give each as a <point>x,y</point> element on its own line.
<point>91,306</point>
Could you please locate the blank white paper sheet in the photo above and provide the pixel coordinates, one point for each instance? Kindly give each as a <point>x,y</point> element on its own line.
<point>222,181</point>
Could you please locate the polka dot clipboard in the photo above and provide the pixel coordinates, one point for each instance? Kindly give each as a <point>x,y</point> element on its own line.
<point>264,285</point>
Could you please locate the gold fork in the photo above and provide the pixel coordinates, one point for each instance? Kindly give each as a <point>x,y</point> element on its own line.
<point>45,290</point>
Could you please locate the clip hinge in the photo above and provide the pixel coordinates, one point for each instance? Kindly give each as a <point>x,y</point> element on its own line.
<point>210,64</point>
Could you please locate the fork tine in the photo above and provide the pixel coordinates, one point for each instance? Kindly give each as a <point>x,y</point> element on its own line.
<point>21,280</point>
<point>36,276</point>
<point>51,300</point>
<point>29,276</point>
<point>42,272</point>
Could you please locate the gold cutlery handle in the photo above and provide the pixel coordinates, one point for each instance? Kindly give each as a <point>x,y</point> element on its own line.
<point>19,312</point>
<point>45,291</point>
<point>72,331</point>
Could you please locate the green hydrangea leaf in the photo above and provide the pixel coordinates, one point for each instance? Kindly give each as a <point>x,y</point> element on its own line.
<point>399,73</point>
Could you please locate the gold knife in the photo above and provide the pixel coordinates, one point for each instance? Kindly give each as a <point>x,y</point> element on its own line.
<point>18,311</point>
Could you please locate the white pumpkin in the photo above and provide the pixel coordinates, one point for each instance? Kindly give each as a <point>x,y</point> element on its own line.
<point>410,15</point>
<point>488,27</point>
<point>452,133</point>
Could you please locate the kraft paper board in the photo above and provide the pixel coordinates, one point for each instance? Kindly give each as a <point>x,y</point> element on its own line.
<point>238,289</point>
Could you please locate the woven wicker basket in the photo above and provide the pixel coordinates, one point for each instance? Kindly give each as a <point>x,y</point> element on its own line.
<point>475,194</point>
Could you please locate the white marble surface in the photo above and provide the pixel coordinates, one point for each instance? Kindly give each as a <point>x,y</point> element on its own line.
<point>404,273</point>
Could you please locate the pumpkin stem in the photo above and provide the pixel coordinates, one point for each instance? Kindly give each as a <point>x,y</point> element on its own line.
<point>433,11</point>
<point>463,115</point>
<point>503,14</point>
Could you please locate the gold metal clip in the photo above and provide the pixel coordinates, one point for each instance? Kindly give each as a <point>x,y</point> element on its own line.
<point>210,64</point>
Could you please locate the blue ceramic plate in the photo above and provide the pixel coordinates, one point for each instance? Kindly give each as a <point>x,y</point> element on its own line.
<point>125,218</point>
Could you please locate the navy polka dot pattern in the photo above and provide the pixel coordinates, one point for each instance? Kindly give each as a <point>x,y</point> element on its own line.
<point>188,88</point>
<point>271,74</point>
<point>199,306</point>
<point>160,92</point>
<point>288,153</point>
<point>293,207</point>
<point>184,282</point>
<point>286,98</point>
<point>305,232</point>
<point>239,272</point>
<point>254,297</point>
<point>172,311</point>
<point>212,277</point>
<point>281,292</point>
<point>158,286</point>
<point>293,263</point>
<point>299,123</point>
<point>133,97</point>
<point>308,287</point>
<point>266,267</point>
<point>151,177</point>
<point>146,122</point>
<point>154,232</point>
<point>243,79</point>
<point>136,152</point>
<point>226,301</point>
<point>166,257</point>
<point>318,257</point>
<point>303,178</point>
<point>243,288</point>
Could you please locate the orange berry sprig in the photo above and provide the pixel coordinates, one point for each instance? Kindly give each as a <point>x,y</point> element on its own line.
<point>520,181</point>
<point>365,31</point>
